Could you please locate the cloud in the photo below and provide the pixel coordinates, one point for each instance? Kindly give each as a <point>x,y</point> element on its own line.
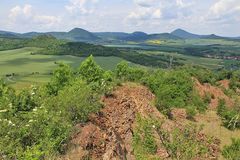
<point>150,10</point>
<point>145,3</point>
<point>25,16</point>
<point>224,11</point>
<point>81,6</point>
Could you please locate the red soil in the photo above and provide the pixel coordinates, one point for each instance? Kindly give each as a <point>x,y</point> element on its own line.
<point>215,92</point>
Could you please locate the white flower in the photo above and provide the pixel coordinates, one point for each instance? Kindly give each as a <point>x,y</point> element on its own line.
<point>10,122</point>
<point>35,109</point>
<point>10,105</point>
<point>153,126</point>
<point>3,111</point>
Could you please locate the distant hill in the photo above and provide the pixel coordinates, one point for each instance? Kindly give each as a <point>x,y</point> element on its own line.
<point>136,36</point>
<point>78,34</point>
<point>163,36</point>
<point>111,35</point>
<point>81,35</point>
<point>6,34</point>
<point>184,34</point>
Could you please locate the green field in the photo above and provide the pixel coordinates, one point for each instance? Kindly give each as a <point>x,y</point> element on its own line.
<point>23,64</point>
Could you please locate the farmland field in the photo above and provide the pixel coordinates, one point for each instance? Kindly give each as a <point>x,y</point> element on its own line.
<point>22,63</point>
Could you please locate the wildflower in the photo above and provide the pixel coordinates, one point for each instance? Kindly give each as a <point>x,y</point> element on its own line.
<point>10,105</point>
<point>10,122</point>
<point>3,111</point>
<point>153,126</point>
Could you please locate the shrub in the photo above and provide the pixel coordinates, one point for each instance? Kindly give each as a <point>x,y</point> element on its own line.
<point>183,143</point>
<point>75,102</point>
<point>230,117</point>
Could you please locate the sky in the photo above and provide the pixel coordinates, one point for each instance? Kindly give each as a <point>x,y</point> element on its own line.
<point>220,17</point>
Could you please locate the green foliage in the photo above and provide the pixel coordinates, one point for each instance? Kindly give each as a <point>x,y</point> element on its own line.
<point>100,81</point>
<point>24,101</point>
<point>75,102</point>
<point>144,143</point>
<point>207,98</point>
<point>173,89</point>
<point>235,81</point>
<point>232,152</point>
<point>202,74</point>
<point>7,96</point>
<point>230,116</point>
<point>122,70</point>
<point>183,144</point>
<point>62,76</point>
<point>36,125</point>
<point>90,71</point>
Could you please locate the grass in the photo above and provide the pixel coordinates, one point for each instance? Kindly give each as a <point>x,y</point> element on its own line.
<point>22,63</point>
<point>213,127</point>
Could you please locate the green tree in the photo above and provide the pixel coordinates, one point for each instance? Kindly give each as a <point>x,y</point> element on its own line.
<point>62,76</point>
<point>90,71</point>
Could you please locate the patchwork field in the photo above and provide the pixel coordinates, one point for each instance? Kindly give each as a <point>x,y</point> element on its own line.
<point>204,62</point>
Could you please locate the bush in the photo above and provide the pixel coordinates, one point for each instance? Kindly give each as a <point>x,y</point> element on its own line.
<point>172,89</point>
<point>75,102</point>
<point>183,143</point>
<point>232,152</point>
<point>235,81</point>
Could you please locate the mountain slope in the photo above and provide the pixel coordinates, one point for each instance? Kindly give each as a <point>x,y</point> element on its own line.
<point>184,34</point>
<point>111,35</point>
<point>78,34</point>
<point>126,126</point>
<point>6,34</point>
<point>163,36</point>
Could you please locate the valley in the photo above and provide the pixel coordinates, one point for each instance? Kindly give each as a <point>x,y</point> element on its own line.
<point>82,95</point>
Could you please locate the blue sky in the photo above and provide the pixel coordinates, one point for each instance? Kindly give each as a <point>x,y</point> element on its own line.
<point>152,16</point>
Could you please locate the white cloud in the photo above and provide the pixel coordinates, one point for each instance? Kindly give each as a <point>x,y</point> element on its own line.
<point>225,6</point>
<point>145,3</point>
<point>224,11</point>
<point>150,10</point>
<point>26,16</point>
<point>81,6</point>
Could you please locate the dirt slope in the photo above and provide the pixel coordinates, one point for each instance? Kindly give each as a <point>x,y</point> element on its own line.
<point>109,133</point>
<point>215,92</point>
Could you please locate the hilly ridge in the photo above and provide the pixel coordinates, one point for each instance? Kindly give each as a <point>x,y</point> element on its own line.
<point>81,35</point>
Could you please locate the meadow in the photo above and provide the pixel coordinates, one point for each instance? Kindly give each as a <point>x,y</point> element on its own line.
<point>30,68</point>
